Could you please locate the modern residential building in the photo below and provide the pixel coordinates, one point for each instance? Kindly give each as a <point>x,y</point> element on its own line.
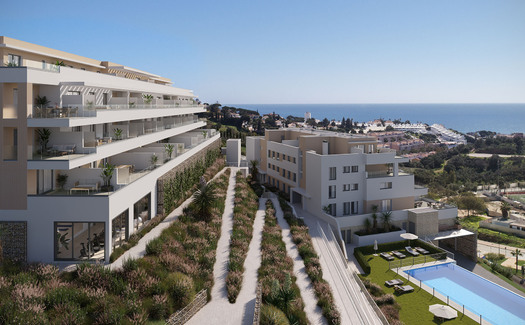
<point>341,177</point>
<point>65,121</point>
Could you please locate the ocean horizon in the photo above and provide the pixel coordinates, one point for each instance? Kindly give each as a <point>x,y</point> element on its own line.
<point>501,118</point>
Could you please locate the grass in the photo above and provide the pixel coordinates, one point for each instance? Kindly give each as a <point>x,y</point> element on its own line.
<point>246,205</point>
<point>502,277</point>
<point>471,222</point>
<point>501,238</point>
<point>414,305</point>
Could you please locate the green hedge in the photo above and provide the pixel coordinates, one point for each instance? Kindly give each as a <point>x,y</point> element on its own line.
<point>398,245</point>
<point>361,259</point>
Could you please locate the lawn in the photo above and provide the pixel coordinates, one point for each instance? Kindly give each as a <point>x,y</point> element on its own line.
<point>414,305</point>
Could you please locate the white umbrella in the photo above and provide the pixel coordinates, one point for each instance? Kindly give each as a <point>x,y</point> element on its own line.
<point>409,236</point>
<point>443,311</point>
<point>375,246</point>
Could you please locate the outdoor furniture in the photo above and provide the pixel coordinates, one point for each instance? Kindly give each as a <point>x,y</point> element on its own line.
<point>88,187</point>
<point>387,256</point>
<point>398,254</point>
<point>62,149</point>
<point>394,282</point>
<point>410,250</point>
<point>442,311</point>
<point>422,250</point>
<point>403,289</point>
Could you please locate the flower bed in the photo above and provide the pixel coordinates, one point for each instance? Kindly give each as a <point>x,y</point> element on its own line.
<point>302,239</point>
<point>212,169</point>
<point>276,272</point>
<point>178,264</point>
<point>246,205</point>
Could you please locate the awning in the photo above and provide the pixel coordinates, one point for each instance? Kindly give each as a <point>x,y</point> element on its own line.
<point>302,192</point>
<point>451,234</point>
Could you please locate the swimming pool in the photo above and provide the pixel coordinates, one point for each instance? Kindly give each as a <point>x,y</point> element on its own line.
<point>496,304</point>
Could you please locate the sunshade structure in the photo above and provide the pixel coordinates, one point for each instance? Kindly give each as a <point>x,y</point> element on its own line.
<point>442,311</point>
<point>409,236</point>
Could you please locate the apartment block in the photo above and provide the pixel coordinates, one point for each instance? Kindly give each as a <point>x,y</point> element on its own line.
<point>83,143</point>
<point>340,178</point>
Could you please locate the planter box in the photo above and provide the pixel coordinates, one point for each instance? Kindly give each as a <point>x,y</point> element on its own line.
<point>382,238</point>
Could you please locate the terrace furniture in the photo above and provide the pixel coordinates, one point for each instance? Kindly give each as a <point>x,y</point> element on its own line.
<point>398,254</point>
<point>394,282</point>
<point>62,149</point>
<point>387,256</point>
<point>84,187</point>
<point>403,289</point>
<point>410,250</point>
<point>422,250</point>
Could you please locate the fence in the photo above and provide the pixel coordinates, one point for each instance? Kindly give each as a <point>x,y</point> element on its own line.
<point>422,259</point>
<point>183,315</point>
<point>258,303</point>
<point>371,300</point>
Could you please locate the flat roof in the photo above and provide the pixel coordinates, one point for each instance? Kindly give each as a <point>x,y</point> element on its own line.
<point>450,234</point>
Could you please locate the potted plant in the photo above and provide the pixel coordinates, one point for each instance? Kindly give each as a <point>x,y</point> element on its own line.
<point>89,104</point>
<point>169,149</point>
<point>118,134</point>
<point>61,180</point>
<point>43,138</point>
<point>205,134</point>
<point>147,99</point>
<point>154,158</point>
<point>131,105</point>
<point>42,101</point>
<point>107,174</point>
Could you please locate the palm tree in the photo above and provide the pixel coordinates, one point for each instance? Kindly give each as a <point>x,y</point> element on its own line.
<point>374,217</point>
<point>253,169</point>
<point>505,208</point>
<point>367,225</point>
<point>387,218</point>
<point>204,200</point>
<point>516,253</point>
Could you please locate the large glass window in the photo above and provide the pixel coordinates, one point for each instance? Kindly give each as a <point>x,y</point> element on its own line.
<point>79,241</point>
<point>331,191</point>
<point>142,212</point>
<point>333,173</point>
<point>119,229</point>
<point>14,60</point>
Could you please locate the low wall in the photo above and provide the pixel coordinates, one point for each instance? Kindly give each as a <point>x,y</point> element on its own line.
<point>13,240</point>
<point>507,230</point>
<point>382,238</point>
<point>466,245</point>
<point>183,315</point>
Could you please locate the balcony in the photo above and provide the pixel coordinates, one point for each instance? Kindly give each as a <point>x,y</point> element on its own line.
<point>129,168</point>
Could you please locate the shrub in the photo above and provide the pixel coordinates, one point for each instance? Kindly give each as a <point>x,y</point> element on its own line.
<point>362,261</point>
<point>130,264</point>
<point>154,246</point>
<point>64,296</point>
<point>271,315</point>
<point>67,313</point>
<point>180,288</point>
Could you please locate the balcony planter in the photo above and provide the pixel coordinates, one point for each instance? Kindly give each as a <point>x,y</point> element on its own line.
<point>382,238</point>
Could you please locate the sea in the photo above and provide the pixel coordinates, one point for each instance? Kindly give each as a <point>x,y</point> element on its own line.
<point>501,118</point>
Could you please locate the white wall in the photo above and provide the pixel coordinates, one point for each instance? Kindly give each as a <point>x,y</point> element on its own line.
<point>233,151</point>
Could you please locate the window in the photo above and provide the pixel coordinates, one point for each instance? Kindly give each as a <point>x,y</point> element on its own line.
<point>354,207</point>
<point>355,169</point>
<point>346,187</point>
<point>331,191</point>
<point>333,173</point>
<point>355,187</point>
<point>288,158</point>
<point>333,209</point>
<point>73,92</point>
<point>386,205</point>
<point>14,60</point>
<point>269,153</point>
<point>294,160</point>
<point>294,177</point>
<point>43,64</point>
<point>346,169</point>
<point>79,240</point>
<point>288,175</point>
<point>273,154</point>
<point>278,168</point>
<point>269,165</point>
<point>284,157</point>
<point>278,156</point>
<point>346,208</point>
<point>385,185</point>
<point>277,182</point>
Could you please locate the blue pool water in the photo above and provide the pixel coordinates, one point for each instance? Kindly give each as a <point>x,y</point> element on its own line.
<point>496,304</point>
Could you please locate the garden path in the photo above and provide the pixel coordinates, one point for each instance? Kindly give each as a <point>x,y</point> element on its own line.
<point>219,310</point>
<point>139,250</point>
<point>313,312</point>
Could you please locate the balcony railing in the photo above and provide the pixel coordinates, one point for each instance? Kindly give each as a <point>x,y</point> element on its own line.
<point>73,111</point>
<point>35,153</point>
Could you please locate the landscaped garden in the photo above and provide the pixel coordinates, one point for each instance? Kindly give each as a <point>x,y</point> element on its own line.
<point>178,264</point>
<point>408,308</point>
<point>246,205</point>
<point>281,296</point>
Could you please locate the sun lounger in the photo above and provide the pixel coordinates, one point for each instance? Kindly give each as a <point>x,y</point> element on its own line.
<point>422,250</point>
<point>398,254</point>
<point>394,282</point>
<point>387,256</point>
<point>411,251</point>
<point>403,289</point>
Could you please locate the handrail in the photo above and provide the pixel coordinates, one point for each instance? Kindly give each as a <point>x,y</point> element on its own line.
<point>371,300</point>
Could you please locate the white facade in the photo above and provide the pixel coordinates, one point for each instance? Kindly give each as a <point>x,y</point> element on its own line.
<point>98,114</point>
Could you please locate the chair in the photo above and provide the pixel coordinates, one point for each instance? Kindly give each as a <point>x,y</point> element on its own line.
<point>394,282</point>
<point>403,289</point>
<point>411,251</point>
<point>387,256</point>
<point>422,250</point>
<point>398,254</point>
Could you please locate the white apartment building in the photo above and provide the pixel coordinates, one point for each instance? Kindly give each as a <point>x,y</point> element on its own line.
<point>340,177</point>
<point>65,119</point>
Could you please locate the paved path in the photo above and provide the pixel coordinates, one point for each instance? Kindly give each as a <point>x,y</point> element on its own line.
<point>313,312</point>
<point>350,300</point>
<point>219,310</point>
<point>139,250</point>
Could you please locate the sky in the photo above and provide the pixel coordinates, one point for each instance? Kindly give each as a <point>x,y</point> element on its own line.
<point>288,51</point>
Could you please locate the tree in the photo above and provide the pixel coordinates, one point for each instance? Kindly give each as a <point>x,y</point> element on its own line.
<point>374,217</point>
<point>253,169</point>
<point>204,200</point>
<point>505,208</point>
<point>107,174</point>
<point>387,218</point>
<point>516,253</point>
<point>311,122</point>
<point>368,225</point>
<point>470,202</point>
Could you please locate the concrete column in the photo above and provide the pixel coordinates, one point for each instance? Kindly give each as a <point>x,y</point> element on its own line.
<point>396,169</point>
